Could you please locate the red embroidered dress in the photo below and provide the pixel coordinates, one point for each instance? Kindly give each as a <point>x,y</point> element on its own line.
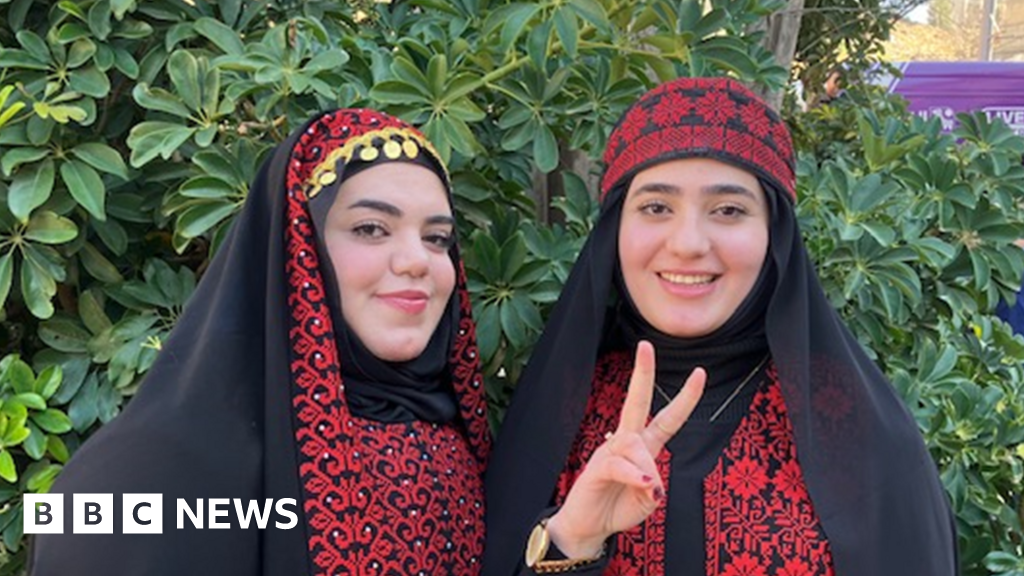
<point>758,517</point>
<point>381,499</point>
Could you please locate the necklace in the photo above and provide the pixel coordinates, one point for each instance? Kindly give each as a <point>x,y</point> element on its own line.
<point>730,398</point>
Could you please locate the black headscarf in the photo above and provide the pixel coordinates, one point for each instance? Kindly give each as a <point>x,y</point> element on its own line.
<point>873,484</point>
<point>247,388</point>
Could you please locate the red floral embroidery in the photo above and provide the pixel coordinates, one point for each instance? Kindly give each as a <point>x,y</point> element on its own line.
<point>759,519</point>
<point>746,479</point>
<point>744,565</point>
<point>671,107</point>
<point>716,107</point>
<point>706,114</point>
<point>774,527</point>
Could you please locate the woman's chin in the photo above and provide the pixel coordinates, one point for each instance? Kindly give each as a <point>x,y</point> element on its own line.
<point>397,351</point>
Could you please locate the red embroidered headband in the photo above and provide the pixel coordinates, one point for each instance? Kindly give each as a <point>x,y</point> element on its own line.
<point>701,117</point>
<point>364,135</point>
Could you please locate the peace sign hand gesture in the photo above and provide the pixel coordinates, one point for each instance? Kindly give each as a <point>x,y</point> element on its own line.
<point>620,485</point>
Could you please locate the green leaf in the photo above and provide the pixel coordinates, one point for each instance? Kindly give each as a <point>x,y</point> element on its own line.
<point>537,44</point>
<point>199,219</point>
<point>49,228</point>
<point>160,99</point>
<point>61,113</point>
<point>151,139</point>
<point>35,45</point>
<point>397,92</point>
<point>86,187</point>
<point>183,69</point>
<point>56,447</point>
<point>52,420</point>
<point>99,19</point>
<point>514,20</point>
<point>31,187</point>
<point>14,58</point>
<point>112,233</point>
<point>6,276</point>
<point>72,32</point>
<point>101,157</point>
<point>37,287</point>
<point>71,8</point>
<point>568,30</point>
<point>121,7</point>
<point>89,81</point>
<point>80,52</point>
<point>133,29</point>
<point>32,400</point>
<point>437,74</point>
<point>221,35</point>
<point>327,60</point>
<point>207,187</point>
<point>49,381</point>
<point>126,63</point>
<point>35,442</point>
<point>39,130</point>
<point>65,335</point>
<point>545,149</point>
<point>19,374</point>
<point>98,266</point>
<point>7,470</point>
<point>15,157</point>
<point>90,310</point>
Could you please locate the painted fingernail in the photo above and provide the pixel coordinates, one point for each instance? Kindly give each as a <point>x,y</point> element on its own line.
<point>659,493</point>
<point>647,479</point>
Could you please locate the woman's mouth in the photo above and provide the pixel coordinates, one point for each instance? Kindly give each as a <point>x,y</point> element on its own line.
<point>408,301</point>
<point>687,279</point>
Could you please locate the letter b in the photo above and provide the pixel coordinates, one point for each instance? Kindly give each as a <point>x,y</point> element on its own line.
<point>43,514</point>
<point>93,514</point>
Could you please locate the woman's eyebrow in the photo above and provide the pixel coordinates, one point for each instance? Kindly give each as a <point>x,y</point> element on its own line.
<point>389,209</point>
<point>729,189</point>
<point>716,189</point>
<point>657,188</point>
<point>441,219</point>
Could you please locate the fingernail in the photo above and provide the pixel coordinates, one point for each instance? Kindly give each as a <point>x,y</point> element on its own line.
<point>659,493</point>
<point>647,479</point>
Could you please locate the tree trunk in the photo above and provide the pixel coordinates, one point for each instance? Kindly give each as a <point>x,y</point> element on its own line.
<point>783,29</point>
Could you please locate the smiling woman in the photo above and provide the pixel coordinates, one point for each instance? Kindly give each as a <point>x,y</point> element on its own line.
<point>695,406</point>
<point>328,357</point>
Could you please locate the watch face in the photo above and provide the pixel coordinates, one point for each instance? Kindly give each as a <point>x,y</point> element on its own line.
<point>537,545</point>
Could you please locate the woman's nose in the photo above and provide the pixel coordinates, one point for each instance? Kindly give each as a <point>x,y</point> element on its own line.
<point>688,237</point>
<point>410,256</point>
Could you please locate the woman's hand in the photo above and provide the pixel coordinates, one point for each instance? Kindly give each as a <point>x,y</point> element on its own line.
<point>620,485</point>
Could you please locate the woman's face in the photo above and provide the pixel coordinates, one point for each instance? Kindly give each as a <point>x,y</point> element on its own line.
<point>388,235</point>
<point>693,237</point>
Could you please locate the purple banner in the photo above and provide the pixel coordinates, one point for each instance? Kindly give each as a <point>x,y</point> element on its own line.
<point>942,89</point>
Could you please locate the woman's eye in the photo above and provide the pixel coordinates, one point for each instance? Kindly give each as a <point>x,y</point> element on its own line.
<point>369,230</point>
<point>441,240</point>
<point>731,210</point>
<point>654,208</point>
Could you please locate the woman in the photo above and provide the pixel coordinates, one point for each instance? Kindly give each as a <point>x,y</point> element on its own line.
<point>328,356</point>
<point>798,458</point>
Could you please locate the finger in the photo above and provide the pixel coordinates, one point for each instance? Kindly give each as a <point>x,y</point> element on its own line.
<point>622,471</point>
<point>633,448</point>
<point>667,422</point>
<point>641,388</point>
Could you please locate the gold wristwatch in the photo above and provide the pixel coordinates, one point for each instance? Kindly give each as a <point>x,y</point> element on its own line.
<point>537,549</point>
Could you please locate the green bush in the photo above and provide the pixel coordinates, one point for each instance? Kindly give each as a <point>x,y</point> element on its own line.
<point>129,132</point>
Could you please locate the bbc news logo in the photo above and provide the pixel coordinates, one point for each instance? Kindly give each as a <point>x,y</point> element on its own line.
<point>143,513</point>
